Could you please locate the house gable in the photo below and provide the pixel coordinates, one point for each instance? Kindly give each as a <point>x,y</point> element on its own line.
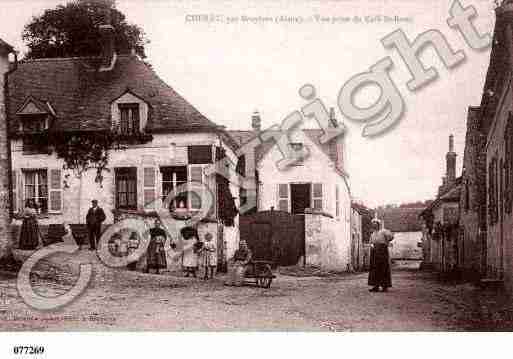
<point>30,108</point>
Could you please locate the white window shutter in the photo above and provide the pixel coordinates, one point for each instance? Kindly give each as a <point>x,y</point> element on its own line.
<point>55,190</point>
<point>149,187</point>
<point>317,198</point>
<point>21,190</point>
<point>196,174</point>
<point>283,197</point>
<point>14,191</point>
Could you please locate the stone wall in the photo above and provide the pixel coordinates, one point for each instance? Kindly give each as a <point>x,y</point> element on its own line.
<point>324,247</point>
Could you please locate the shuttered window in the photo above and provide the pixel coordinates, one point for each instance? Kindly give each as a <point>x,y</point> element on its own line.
<point>172,178</point>
<point>36,189</point>
<point>508,165</point>
<point>150,187</point>
<point>492,191</point>
<point>129,121</point>
<point>126,188</point>
<point>195,175</point>
<point>337,202</point>
<point>14,191</point>
<point>55,192</point>
<point>317,196</point>
<point>283,197</point>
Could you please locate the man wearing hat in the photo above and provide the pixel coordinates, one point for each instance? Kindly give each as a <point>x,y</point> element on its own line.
<point>379,273</point>
<point>95,217</point>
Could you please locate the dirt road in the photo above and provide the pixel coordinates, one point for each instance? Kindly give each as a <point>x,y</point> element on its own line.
<point>134,301</point>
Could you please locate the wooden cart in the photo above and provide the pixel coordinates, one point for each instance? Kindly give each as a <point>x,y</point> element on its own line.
<point>261,272</point>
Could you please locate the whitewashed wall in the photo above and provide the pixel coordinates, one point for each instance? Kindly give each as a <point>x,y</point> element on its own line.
<point>317,168</point>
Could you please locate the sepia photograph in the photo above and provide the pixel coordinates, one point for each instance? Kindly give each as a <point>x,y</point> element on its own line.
<point>249,166</point>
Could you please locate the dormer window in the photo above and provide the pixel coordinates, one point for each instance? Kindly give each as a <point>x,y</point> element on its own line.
<point>130,116</point>
<point>34,115</point>
<point>129,119</point>
<point>34,123</point>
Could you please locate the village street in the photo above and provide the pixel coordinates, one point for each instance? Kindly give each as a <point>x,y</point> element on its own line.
<point>134,301</point>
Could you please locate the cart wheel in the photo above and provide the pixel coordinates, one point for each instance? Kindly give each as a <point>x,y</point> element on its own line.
<point>267,277</point>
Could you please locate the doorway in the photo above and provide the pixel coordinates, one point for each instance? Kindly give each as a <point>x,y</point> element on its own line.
<point>300,194</point>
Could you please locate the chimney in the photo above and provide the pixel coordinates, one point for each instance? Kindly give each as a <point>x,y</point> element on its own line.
<point>450,158</point>
<point>108,53</point>
<point>337,144</point>
<point>256,122</point>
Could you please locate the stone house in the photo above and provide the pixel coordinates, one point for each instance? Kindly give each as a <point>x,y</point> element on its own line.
<point>497,116</point>
<point>315,187</point>
<point>472,219</point>
<point>166,142</point>
<point>440,230</point>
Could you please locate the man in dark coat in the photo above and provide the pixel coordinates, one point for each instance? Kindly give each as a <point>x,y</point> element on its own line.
<point>95,217</point>
<point>379,273</point>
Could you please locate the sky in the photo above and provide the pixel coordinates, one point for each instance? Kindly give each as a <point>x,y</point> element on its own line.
<point>230,68</point>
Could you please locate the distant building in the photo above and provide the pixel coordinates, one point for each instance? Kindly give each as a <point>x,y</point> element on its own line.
<point>406,225</point>
<point>440,229</point>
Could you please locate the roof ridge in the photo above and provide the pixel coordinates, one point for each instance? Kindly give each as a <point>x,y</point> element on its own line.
<point>72,58</point>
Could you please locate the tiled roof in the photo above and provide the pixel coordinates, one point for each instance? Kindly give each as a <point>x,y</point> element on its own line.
<point>4,45</point>
<point>81,96</point>
<point>401,219</point>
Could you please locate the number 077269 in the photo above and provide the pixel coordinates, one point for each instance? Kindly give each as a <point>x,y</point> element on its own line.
<point>28,350</point>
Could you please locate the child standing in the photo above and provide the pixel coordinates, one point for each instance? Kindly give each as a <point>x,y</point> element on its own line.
<point>210,256</point>
<point>190,257</point>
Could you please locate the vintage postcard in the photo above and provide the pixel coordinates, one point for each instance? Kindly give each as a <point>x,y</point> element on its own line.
<point>242,166</point>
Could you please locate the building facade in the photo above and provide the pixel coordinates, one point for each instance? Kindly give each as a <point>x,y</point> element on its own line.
<point>472,205</point>
<point>497,120</point>
<point>440,231</point>
<point>163,144</point>
<point>315,187</point>
<point>5,162</point>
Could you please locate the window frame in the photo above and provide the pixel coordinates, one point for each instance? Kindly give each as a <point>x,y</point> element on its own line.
<point>174,184</point>
<point>133,125</point>
<point>119,175</point>
<point>37,185</point>
<point>286,198</point>
<point>316,197</point>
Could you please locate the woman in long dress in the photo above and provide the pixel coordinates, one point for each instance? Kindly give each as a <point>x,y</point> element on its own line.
<point>238,266</point>
<point>379,273</point>
<point>29,234</point>
<point>156,253</point>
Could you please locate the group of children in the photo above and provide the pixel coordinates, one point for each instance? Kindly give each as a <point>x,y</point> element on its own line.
<point>195,253</point>
<point>198,253</point>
